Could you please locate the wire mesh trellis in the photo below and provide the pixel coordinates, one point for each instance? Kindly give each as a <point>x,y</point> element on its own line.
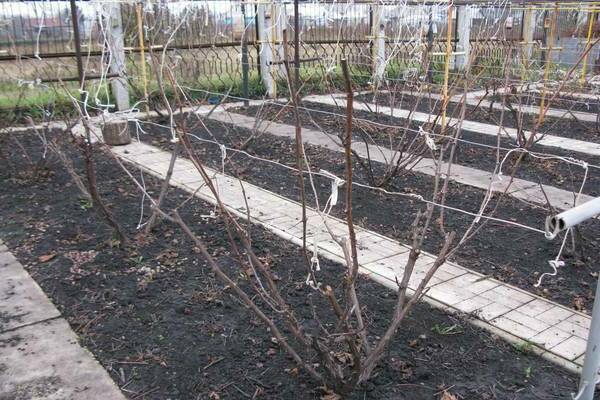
<point>205,39</point>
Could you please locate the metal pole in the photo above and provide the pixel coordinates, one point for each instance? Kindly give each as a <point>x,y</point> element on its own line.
<point>429,66</point>
<point>244,57</point>
<point>591,364</point>
<point>257,41</point>
<point>76,39</point>
<point>591,18</point>
<point>296,46</point>
<point>447,66</point>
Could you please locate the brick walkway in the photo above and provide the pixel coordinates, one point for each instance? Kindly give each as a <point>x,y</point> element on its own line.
<point>556,332</point>
<point>40,356</point>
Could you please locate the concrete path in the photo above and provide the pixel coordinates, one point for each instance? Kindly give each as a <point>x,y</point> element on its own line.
<point>580,146</point>
<point>556,332</point>
<point>40,357</point>
<point>521,189</point>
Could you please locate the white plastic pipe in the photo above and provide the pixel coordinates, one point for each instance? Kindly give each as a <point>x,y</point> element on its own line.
<point>570,218</point>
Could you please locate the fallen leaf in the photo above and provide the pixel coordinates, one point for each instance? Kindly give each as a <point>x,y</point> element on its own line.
<point>448,396</point>
<point>46,257</point>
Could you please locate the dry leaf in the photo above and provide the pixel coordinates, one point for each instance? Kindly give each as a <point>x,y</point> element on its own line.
<point>330,395</point>
<point>46,257</point>
<point>448,396</point>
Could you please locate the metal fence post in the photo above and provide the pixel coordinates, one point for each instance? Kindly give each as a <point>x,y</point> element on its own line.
<point>464,15</point>
<point>447,65</point>
<point>296,45</point>
<point>245,83</point>
<point>430,38</point>
<point>116,47</point>
<point>77,40</point>
<point>590,32</point>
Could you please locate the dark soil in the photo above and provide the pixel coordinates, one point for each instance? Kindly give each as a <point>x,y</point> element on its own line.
<point>501,251</point>
<point>564,127</point>
<point>550,172</point>
<point>165,328</point>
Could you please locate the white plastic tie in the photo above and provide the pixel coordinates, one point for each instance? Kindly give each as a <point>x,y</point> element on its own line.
<point>428,139</point>
<point>314,261</point>
<point>336,182</point>
<point>223,157</point>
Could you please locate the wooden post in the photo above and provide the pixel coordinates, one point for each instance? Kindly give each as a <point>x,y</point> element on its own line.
<point>464,35</point>
<point>528,31</point>
<point>116,47</point>
<point>280,24</point>
<point>142,44</point>
<point>266,51</point>
<point>378,47</point>
<point>381,58</point>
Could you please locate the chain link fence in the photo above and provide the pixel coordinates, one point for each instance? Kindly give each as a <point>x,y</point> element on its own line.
<point>201,42</point>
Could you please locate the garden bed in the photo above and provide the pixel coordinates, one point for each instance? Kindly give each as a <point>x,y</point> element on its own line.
<point>552,172</point>
<point>179,334</point>
<point>503,252</point>
<point>564,127</point>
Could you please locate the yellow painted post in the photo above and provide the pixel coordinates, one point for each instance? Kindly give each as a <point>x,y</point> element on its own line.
<point>548,62</point>
<point>140,24</point>
<point>447,66</point>
<point>592,15</point>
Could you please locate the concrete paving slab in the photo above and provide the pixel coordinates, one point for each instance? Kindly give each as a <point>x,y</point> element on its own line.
<point>22,301</point>
<point>45,361</point>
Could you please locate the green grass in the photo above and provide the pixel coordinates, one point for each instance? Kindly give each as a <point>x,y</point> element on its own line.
<point>18,102</point>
